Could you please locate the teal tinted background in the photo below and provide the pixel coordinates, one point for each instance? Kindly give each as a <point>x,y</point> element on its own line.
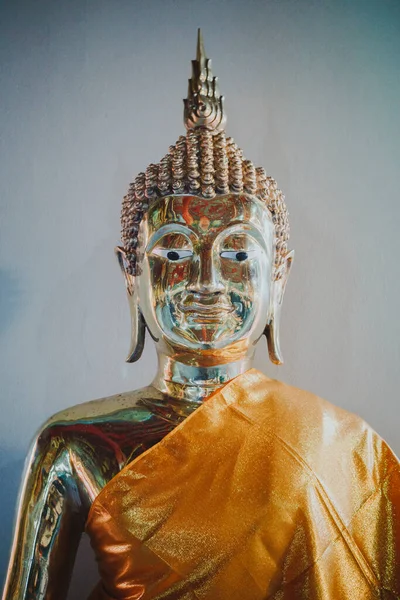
<point>91,94</point>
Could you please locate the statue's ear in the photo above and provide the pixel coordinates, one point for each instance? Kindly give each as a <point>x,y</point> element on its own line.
<point>138,325</point>
<point>272,328</point>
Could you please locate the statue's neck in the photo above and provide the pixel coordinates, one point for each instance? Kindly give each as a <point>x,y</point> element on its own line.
<point>195,383</point>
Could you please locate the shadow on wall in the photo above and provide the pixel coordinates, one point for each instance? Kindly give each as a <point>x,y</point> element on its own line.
<point>9,299</point>
<point>10,477</point>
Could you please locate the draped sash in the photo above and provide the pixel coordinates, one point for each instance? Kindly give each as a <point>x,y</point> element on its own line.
<point>264,492</point>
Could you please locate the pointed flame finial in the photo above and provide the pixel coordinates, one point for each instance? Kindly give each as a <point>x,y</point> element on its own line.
<point>200,53</point>
<point>204,107</point>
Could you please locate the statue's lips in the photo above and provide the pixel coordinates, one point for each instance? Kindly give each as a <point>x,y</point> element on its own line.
<point>206,313</point>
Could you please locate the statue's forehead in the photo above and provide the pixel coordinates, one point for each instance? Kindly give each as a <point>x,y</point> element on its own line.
<point>205,214</point>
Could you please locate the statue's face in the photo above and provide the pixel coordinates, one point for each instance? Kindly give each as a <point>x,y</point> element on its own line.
<point>206,269</point>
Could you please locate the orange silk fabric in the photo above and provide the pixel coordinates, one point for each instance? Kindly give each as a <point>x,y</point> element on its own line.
<point>265,491</point>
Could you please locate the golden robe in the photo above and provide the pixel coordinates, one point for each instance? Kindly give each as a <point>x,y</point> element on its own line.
<point>264,492</point>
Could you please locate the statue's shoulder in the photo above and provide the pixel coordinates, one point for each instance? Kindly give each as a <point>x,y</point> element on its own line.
<point>320,432</point>
<point>97,417</point>
<point>102,408</point>
<point>91,441</point>
<point>308,408</point>
<point>305,420</point>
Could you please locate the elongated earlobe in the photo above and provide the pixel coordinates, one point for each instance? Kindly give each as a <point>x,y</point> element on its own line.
<point>273,342</point>
<point>138,330</point>
<point>272,328</point>
<point>138,324</point>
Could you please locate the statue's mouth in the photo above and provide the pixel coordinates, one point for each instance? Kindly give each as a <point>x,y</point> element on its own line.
<point>209,311</point>
<point>206,315</point>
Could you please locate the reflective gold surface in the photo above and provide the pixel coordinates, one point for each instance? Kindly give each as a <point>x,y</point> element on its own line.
<point>265,491</point>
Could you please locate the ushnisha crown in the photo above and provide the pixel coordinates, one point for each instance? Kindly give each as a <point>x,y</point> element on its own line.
<point>203,163</point>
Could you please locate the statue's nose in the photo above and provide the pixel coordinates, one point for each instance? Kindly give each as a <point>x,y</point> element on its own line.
<point>205,277</point>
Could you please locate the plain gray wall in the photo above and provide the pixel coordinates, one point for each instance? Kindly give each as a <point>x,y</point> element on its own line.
<point>91,94</point>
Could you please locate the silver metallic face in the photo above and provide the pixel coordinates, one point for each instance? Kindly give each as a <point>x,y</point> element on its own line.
<point>206,270</point>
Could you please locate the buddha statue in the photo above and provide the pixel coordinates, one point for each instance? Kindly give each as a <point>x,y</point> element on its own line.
<point>215,481</point>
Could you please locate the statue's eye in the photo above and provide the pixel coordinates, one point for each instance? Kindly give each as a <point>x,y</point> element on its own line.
<point>239,256</point>
<point>173,255</point>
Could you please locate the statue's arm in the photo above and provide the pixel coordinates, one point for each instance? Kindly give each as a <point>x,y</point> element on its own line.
<point>49,523</point>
